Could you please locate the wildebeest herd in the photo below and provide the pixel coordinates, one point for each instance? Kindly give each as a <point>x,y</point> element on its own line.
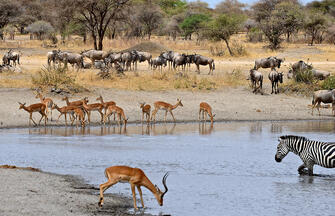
<point>127,60</point>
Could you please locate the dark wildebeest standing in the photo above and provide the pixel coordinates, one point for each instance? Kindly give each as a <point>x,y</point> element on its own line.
<point>169,56</point>
<point>202,60</point>
<point>270,62</point>
<point>158,62</point>
<point>52,57</point>
<point>324,96</point>
<point>179,60</point>
<point>144,56</point>
<point>11,56</point>
<point>72,58</point>
<point>275,77</point>
<point>256,77</point>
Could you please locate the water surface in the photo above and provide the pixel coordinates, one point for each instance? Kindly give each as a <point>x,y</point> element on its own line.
<point>225,170</point>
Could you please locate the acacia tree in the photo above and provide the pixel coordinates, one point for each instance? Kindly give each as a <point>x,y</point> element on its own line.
<point>192,24</point>
<point>223,27</point>
<point>315,24</point>
<point>97,16</point>
<point>150,17</point>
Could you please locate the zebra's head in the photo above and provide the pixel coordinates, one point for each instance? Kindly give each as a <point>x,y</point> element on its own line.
<point>282,149</point>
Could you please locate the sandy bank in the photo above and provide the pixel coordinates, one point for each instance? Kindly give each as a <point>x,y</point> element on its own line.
<point>31,193</point>
<point>228,104</point>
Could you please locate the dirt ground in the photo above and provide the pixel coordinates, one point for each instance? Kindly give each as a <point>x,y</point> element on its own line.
<point>37,194</point>
<point>228,104</point>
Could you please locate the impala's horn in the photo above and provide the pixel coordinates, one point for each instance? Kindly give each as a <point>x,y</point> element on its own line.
<point>164,183</point>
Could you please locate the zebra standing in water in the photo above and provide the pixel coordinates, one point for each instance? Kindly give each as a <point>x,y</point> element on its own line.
<point>311,152</point>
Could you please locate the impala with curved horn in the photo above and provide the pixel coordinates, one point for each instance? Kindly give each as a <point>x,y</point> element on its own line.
<point>135,177</point>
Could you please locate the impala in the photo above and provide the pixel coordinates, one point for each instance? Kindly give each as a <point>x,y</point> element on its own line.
<point>116,110</point>
<point>38,107</point>
<point>79,116</point>
<point>74,103</point>
<point>105,104</point>
<point>206,108</point>
<point>93,107</point>
<point>160,105</point>
<point>135,177</point>
<point>64,111</point>
<point>47,101</point>
<point>146,108</point>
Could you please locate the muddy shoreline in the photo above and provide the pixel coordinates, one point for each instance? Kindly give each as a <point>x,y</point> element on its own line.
<point>229,104</point>
<point>26,192</point>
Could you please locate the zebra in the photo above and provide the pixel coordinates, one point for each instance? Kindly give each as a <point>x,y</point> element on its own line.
<point>310,152</point>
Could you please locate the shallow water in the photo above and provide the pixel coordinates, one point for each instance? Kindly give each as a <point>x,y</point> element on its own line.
<point>225,170</point>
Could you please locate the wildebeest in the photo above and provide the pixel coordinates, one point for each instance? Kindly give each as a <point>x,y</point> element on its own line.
<point>11,56</point>
<point>202,60</point>
<point>72,58</point>
<point>256,77</point>
<point>98,64</point>
<point>143,56</point>
<point>158,62</point>
<point>301,66</point>
<point>320,74</point>
<point>179,60</point>
<point>270,62</point>
<point>324,96</point>
<point>169,56</point>
<point>52,56</point>
<point>275,77</point>
<point>113,58</point>
<point>94,55</point>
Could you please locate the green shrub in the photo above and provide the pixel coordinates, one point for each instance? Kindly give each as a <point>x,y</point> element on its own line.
<point>305,76</point>
<point>329,83</point>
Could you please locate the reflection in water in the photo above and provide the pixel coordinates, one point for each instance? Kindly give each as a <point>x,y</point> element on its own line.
<point>232,167</point>
<point>205,129</point>
<point>276,128</point>
<point>256,127</point>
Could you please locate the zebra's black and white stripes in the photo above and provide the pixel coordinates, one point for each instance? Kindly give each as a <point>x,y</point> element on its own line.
<point>311,152</point>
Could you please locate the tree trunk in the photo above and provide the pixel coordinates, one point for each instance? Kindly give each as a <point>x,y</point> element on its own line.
<point>149,35</point>
<point>84,38</point>
<point>94,41</point>
<point>288,37</point>
<point>100,45</point>
<point>230,52</point>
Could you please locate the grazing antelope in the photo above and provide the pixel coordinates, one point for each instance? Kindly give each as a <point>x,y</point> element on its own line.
<point>115,110</point>
<point>79,116</point>
<point>47,101</point>
<point>64,111</point>
<point>165,106</point>
<point>38,107</point>
<point>93,107</point>
<point>146,108</point>
<point>205,107</point>
<point>136,178</point>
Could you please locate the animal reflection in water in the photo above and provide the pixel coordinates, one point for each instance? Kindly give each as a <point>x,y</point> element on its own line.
<point>205,129</point>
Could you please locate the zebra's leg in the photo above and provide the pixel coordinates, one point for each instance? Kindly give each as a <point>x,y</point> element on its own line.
<point>301,170</point>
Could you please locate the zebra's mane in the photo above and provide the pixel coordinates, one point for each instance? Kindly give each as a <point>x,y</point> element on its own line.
<point>294,137</point>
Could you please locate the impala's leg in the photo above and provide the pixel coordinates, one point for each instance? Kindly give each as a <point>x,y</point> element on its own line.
<point>153,115</point>
<point>59,117</point>
<point>148,117</point>
<point>142,116</point>
<point>165,115</point>
<point>89,117</point>
<point>42,115</point>
<point>103,188</point>
<point>134,195</point>
<point>172,116</point>
<point>31,117</point>
<point>140,192</point>
<point>65,119</point>
<point>205,114</point>
<point>101,115</point>
<point>199,114</point>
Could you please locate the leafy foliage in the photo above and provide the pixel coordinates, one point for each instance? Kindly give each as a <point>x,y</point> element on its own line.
<point>193,23</point>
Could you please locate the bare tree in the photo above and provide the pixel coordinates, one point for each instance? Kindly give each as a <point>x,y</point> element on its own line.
<point>97,16</point>
<point>230,6</point>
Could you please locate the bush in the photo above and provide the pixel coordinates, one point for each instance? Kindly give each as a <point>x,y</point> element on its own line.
<point>56,77</point>
<point>329,83</point>
<point>40,29</point>
<point>305,76</point>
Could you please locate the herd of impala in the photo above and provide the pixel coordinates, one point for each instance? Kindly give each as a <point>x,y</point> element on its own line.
<point>78,110</point>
